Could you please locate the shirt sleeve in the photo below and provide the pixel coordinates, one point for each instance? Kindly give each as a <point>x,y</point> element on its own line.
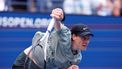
<point>64,43</point>
<point>38,35</point>
<point>64,38</point>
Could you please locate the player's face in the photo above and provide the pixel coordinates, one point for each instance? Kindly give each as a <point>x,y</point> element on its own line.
<point>81,43</point>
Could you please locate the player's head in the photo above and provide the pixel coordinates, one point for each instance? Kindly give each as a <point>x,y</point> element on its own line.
<point>81,35</point>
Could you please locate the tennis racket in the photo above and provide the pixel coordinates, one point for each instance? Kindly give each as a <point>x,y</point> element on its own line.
<point>44,39</point>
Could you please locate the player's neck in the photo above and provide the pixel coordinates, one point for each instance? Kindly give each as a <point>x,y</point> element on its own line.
<point>74,51</point>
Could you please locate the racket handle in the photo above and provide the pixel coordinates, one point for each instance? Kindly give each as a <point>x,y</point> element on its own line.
<point>50,27</point>
<point>51,24</point>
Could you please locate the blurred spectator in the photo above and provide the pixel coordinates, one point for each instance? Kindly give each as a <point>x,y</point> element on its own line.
<point>38,5</point>
<point>31,6</point>
<point>121,8</point>
<point>44,5</point>
<point>117,7</point>
<point>102,7</point>
<point>77,7</point>
<point>3,6</point>
<point>86,7</point>
<point>72,6</point>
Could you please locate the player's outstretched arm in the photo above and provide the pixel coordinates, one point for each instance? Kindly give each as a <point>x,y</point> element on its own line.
<point>58,15</point>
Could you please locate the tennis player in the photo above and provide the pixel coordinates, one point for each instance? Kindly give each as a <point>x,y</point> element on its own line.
<point>63,49</point>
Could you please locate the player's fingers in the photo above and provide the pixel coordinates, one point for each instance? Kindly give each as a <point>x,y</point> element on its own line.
<point>57,13</point>
<point>55,16</point>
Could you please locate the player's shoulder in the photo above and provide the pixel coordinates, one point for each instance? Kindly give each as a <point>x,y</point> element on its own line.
<point>64,29</point>
<point>39,33</point>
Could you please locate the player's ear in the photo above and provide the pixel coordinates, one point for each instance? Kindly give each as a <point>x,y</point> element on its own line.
<point>74,37</point>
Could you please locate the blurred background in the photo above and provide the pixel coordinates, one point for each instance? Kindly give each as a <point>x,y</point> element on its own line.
<point>20,19</point>
<point>84,7</point>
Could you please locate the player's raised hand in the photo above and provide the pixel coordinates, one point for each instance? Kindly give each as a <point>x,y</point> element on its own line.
<point>57,14</point>
<point>74,67</point>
